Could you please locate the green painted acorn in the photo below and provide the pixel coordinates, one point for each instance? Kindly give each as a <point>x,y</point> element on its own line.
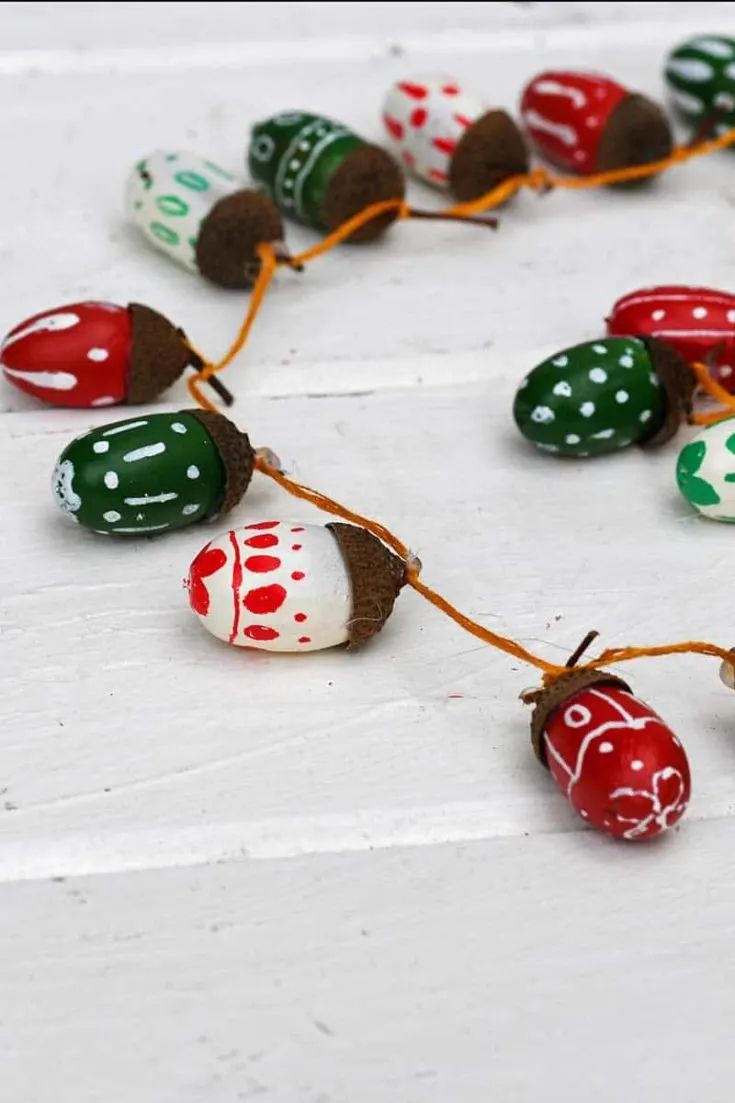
<point>701,78</point>
<point>153,474</point>
<point>603,395</point>
<point>321,173</point>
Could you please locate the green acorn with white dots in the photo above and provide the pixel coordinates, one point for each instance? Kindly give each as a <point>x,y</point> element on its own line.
<point>700,74</point>
<point>154,473</point>
<point>201,217</point>
<point>603,395</point>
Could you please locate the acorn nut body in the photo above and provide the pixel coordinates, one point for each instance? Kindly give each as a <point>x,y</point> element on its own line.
<point>286,586</point>
<point>94,354</point>
<point>587,123</point>
<point>603,395</point>
<point>200,216</point>
<point>321,173</point>
<point>448,136</point>
<point>154,473</point>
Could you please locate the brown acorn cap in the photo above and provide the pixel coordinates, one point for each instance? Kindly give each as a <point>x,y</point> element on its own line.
<point>564,687</point>
<point>366,175</point>
<point>236,453</point>
<point>230,234</point>
<point>377,578</point>
<point>636,132</point>
<point>489,151</point>
<point>158,354</point>
<point>679,383</point>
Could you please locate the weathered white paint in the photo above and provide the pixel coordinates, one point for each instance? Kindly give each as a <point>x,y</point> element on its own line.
<point>332,948</point>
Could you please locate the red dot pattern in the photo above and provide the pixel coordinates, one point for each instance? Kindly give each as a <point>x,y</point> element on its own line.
<point>300,618</point>
<point>260,564</point>
<point>267,540</point>
<point>264,525</point>
<point>419,117</point>
<point>304,639</point>
<point>415,91</point>
<point>296,547</point>
<point>265,599</point>
<point>261,632</point>
<point>297,575</point>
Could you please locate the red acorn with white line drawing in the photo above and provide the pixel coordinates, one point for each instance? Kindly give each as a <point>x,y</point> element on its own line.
<point>619,765</point>
<point>698,322</point>
<point>95,354</point>
<point>588,123</point>
<point>449,137</point>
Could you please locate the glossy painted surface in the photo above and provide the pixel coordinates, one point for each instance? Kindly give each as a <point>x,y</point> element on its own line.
<point>74,355</point>
<point>698,322</point>
<point>142,476</point>
<point>622,769</point>
<point>169,193</point>
<point>293,156</point>
<point>565,114</point>
<point>593,398</point>
<point>701,78</point>
<point>274,586</point>
<point>426,119</point>
<point>705,471</point>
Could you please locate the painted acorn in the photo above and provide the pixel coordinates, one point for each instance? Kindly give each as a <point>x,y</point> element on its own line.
<point>589,123</point>
<point>285,586</point>
<point>200,216</point>
<point>705,471</point>
<point>697,321</point>
<point>153,474</point>
<point>95,354</point>
<point>700,74</point>
<point>321,173</point>
<point>603,395</point>
<point>619,765</point>
<point>448,136</point>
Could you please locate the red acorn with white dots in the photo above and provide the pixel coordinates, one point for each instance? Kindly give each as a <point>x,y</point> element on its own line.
<point>588,123</point>
<point>621,768</point>
<point>698,322</point>
<point>95,354</point>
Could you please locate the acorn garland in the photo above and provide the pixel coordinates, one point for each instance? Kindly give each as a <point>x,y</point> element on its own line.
<point>283,586</point>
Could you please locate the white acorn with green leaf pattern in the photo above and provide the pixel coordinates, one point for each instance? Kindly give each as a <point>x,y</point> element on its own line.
<point>169,194</point>
<point>705,471</point>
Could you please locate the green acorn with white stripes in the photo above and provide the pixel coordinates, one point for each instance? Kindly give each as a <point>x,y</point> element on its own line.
<point>153,474</point>
<point>320,172</point>
<point>201,216</point>
<point>604,395</point>
<point>700,74</point>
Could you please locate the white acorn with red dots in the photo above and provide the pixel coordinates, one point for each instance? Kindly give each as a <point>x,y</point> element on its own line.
<point>448,136</point>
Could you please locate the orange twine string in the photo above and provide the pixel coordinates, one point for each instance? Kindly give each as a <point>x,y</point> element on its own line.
<point>268,264</point>
<point>551,671</point>
<point>707,383</point>
<point>541,180</point>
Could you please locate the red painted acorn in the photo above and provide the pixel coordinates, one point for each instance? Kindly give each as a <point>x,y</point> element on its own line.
<point>588,123</point>
<point>698,321</point>
<point>95,354</point>
<point>622,769</point>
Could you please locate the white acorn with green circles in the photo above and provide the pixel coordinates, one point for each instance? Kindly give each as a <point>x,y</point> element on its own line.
<point>169,194</point>
<point>705,471</point>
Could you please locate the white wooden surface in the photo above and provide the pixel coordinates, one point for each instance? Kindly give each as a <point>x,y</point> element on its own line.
<point>344,879</point>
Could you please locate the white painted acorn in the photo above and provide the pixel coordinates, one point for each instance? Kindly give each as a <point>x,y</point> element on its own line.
<point>285,586</point>
<point>201,216</point>
<point>450,137</point>
<point>705,471</point>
